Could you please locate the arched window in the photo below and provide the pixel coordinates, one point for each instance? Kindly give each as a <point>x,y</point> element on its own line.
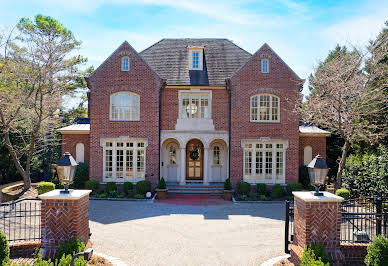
<point>308,155</point>
<point>216,155</point>
<point>265,108</point>
<point>172,154</point>
<point>80,153</point>
<point>124,106</point>
<point>125,63</point>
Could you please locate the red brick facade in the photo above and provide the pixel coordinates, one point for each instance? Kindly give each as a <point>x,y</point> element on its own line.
<point>317,143</point>
<point>280,81</point>
<point>70,141</point>
<point>108,79</point>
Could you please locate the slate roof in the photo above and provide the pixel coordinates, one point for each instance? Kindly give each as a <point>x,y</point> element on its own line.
<point>308,128</point>
<point>169,58</point>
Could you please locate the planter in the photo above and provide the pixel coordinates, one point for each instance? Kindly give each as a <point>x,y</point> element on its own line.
<point>162,193</point>
<point>227,195</point>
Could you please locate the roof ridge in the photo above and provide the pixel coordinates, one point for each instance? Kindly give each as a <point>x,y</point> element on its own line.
<point>152,45</point>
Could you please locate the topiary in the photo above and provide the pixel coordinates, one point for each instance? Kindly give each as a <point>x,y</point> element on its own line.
<point>227,184</point>
<point>81,175</point>
<point>69,247</point>
<point>162,184</point>
<point>111,187</point>
<point>243,188</point>
<point>139,196</point>
<point>277,191</point>
<point>128,186</point>
<point>314,255</point>
<point>4,248</point>
<point>261,189</point>
<point>304,177</point>
<point>92,185</point>
<point>44,187</point>
<point>142,187</point>
<point>293,187</point>
<point>377,252</point>
<point>343,192</point>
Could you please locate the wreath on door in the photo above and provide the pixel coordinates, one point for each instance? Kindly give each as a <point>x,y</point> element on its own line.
<point>194,152</point>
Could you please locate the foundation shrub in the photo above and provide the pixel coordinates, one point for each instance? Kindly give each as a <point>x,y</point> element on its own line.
<point>44,187</point>
<point>92,185</point>
<point>227,184</point>
<point>243,188</point>
<point>261,189</point>
<point>128,186</point>
<point>254,196</point>
<point>263,197</point>
<point>277,191</point>
<point>343,192</point>
<point>111,187</point>
<point>293,187</point>
<point>377,252</point>
<point>81,175</point>
<point>142,187</point>
<point>139,196</point>
<point>304,177</point>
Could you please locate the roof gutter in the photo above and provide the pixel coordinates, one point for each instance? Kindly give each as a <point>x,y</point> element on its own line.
<point>228,89</point>
<point>164,83</point>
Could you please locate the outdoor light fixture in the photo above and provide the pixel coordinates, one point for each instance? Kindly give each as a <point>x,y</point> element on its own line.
<point>66,167</point>
<point>318,173</point>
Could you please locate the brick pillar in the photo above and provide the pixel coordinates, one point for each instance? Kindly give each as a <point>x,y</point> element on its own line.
<point>63,216</point>
<point>317,219</point>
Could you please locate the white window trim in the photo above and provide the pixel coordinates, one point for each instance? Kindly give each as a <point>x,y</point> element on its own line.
<point>110,106</point>
<point>200,58</point>
<point>122,65</point>
<point>114,149</point>
<point>261,65</point>
<point>258,108</point>
<point>198,92</point>
<point>253,178</point>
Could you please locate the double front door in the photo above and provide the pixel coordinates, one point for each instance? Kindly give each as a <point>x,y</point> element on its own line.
<point>194,160</point>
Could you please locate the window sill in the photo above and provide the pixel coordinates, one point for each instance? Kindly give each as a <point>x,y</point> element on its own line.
<point>266,121</point>
<point>124,120</point>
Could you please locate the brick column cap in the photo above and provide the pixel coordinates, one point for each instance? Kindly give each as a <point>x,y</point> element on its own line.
<point>308,196</point>
<point>73,195</point>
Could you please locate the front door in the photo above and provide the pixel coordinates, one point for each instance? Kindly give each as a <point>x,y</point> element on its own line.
<point>194,160</point>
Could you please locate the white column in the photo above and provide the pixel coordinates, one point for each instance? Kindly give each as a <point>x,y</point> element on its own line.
<point>206,166</point>
<point>183,166</point>
<point>253,166</point>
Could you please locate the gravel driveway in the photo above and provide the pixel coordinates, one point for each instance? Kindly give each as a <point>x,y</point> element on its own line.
<point>142,233</point>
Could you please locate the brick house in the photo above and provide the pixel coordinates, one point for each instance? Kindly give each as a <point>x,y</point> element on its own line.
<point>193,110</point>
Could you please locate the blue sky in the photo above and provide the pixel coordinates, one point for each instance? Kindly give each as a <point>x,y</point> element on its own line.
<point>301,32</point>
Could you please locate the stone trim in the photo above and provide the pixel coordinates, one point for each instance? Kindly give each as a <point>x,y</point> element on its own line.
<point>73,195</point>
<point>309,197</point>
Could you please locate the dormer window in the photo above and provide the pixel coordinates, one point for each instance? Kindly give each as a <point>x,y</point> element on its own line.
<point>195,58</point>
<point>125,63</point>
<point>264,66</point>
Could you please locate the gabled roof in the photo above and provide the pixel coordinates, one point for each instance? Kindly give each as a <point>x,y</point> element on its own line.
<point>169,58</point>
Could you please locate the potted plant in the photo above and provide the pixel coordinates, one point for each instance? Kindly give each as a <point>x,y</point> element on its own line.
<point>161,189</point>
<point>228,192</point>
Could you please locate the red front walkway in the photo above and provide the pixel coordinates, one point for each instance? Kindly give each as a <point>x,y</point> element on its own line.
<point>194,200</point>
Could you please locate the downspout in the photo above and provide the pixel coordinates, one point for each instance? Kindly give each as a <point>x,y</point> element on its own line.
<point>160,121</point>
<point>228,88</point>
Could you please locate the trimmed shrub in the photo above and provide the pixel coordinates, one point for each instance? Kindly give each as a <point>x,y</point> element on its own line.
<point>254,196</point>
<point>81,175</point>
<point>314,255</point>
<point>4,248</point>
<point>377,252</point>
<point>304,177</point>
<point>263,197</point>
<point>128,186</point>
<point>343,192</point>
<point>111,187</point>
<point>92,185</point>
<point>293,187</point>
<point>277,191</point>
<point>70,247</point>
<point>227,184</point>
<point>142,187</point>
<point>162,184</point>
<point>44,187</point>
<point>102,195</point>
<point>261,189</point>
<point>243,188</point>
<point>242,197</point>
<point>130,194</point>
<point>139,196</point>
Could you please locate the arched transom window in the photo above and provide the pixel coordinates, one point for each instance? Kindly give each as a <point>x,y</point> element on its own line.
<point>125,106</point>
<point>265,108</point>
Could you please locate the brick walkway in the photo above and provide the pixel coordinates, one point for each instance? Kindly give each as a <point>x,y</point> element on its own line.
<point>194,200</point>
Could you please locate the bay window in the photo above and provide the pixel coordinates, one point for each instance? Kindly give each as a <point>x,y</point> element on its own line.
<point>264,162</point>
<point>120,159</point>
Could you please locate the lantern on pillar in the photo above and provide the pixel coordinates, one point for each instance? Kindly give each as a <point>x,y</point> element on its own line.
<point>66,167</point>
<point>318,173</point>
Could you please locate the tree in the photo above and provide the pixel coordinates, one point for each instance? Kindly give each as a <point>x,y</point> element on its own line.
<point>346,98</point>
<point>37,67</point>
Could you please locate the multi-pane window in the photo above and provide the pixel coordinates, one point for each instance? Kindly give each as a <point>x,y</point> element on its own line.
<point>264,66</point>
<point>195,59</point>
<point>268,164</point>
<point>120,161</point>
<point>216,155</point>
<point>265,108</point>
<point>195,105</point>
<point>172,154</point>
<point>124,106</point>
<point>125,63</point>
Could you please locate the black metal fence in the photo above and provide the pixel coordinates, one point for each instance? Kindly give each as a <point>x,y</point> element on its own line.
<point>289,228</point>
<point>20,220</point>
<point>363,219</point>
